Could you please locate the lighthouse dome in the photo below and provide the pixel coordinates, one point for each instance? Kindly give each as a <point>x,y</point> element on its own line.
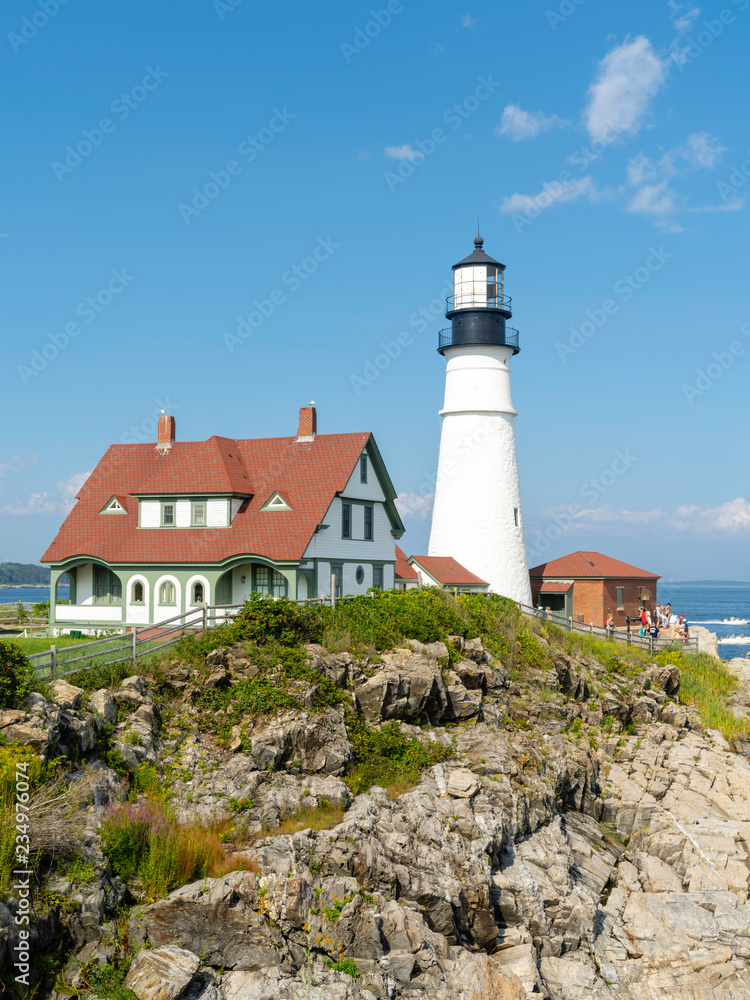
<point>479,257</point>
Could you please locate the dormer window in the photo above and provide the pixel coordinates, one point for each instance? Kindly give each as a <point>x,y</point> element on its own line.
<point>199,514</point>
<point>168,515</point>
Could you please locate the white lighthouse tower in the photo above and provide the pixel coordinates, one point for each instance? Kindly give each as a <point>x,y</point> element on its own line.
<point>477,517</point>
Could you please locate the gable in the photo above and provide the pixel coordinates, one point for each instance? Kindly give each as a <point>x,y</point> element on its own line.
<point>276,502</point>
<point>115,505</point>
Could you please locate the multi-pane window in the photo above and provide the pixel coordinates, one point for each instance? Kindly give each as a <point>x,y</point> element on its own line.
<point>167,514</point>
<point>107,586</point>
<point>337,576</point>
<point>620,596</point>
<point>363,469</point>
<point>368,523</point>
<point>167,593</point>
<point>199,514</point>
<point>346,520</point>
<point>377,577</point>
<point>270,581</point>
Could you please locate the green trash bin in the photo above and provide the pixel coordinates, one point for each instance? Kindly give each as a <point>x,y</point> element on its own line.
<point>75,633</point>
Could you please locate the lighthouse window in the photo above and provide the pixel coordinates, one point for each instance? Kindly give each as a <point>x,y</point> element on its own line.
<point>346,520</point>
<point>515,515</point>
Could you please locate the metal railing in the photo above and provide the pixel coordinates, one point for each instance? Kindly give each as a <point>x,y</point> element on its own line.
<point>504,338</point>
<point>479,299</point>
<point>628,637</point>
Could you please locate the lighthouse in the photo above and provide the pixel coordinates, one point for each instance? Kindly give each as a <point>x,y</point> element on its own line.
<point>477,517</point>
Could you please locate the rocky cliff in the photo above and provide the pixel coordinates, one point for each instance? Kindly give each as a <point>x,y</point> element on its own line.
<point>579,832</point>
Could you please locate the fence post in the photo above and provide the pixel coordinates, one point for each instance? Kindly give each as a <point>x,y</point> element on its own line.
<point>651,644</point>
<point>133,646</point>
<point>52,660</point>
<point>205,616</point>
<point>570,623</point>
<point>591,628</point>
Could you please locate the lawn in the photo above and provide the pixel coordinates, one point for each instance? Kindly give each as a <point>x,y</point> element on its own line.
<point>30,646</point>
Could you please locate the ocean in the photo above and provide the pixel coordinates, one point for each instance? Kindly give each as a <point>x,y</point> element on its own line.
<point>30,595</point>
<point>708,602</point>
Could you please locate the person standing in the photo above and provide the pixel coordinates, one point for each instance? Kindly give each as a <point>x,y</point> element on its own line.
<point>610,626</point>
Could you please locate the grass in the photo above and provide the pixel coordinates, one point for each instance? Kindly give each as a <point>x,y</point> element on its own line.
<point>143,840</point>
<point>42,645</point>
<point>706,685</point>
<point>323,817</point>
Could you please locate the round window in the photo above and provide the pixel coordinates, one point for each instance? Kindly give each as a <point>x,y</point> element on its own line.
<point>359,575</point>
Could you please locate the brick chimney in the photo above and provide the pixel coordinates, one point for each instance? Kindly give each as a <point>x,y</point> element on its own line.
<point>308,423</point>
<point>166,431</point>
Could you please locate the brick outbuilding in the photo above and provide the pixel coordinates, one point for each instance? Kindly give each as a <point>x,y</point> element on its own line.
<point>588,585</point>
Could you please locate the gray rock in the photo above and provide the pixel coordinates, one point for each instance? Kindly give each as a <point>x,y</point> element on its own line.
<point>161,974</point>
<point>463,704</point>
<point>104,705</point>
<point>409,686</point>
<point>134,683</point>
<point>462,784</point>
<point>65,695</point>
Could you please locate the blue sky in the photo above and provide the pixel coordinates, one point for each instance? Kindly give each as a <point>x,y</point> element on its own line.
<point>171,168</point>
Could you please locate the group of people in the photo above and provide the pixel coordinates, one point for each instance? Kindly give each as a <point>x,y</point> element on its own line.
<point>652,624</point>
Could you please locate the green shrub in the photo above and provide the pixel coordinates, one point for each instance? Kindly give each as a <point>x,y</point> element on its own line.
<point>387,756</point>
<point>345,965</point>
<point>267,618</point>
<point>16,674</point>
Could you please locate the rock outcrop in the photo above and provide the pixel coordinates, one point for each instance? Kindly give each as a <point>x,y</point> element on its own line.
<point>585,838</point>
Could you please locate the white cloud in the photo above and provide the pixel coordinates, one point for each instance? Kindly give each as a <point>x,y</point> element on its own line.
<point>520,124</point>
<point>414,505</point>
<point>655,195</point>
<point>683,15</point>
<point>729,519</point>
<point>628,79</point>
<point>15,463</point>
<point>549,195</point>
<point>44,502</point>
<point>701,151</point>
<point>405,152</point>
<point>653,199</point>
<point>468,21</point>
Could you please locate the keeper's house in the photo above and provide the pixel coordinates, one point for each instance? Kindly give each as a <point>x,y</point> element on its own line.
<point>158,530</point>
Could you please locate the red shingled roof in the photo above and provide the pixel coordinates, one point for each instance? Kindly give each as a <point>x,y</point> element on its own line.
<point>403,570</point>
<point>307,474</point>
<point>590,564</point>
<point>447,571</point>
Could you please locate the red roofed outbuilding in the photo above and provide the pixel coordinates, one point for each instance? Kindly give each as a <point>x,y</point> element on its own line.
<point>445,572</point>
<point>405,575</point>
<point>589,585</point>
